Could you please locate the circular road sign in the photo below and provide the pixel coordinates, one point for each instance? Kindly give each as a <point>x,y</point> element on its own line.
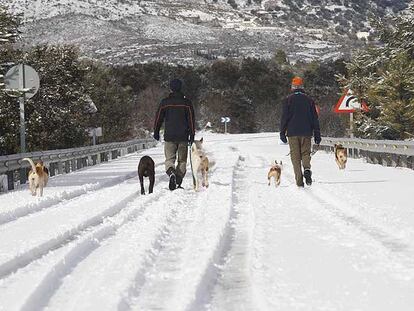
<point>22,78</point>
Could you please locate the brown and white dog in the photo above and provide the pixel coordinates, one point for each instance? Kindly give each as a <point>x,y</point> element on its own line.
<point>38,177</point>
<point>341,156</point>
<point>146,168</point>
<point>275,172</point>
<point>200,164</point>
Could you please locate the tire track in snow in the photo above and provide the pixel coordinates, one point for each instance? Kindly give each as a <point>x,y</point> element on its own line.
<point>389,241</point>
<point>164,249</point>
<point>31,208</point>
<point>172,278</point>
<point>235,286</point>
<point>26,257</point>
<point>106,275</point>
<point>205,288</point>
<point>399,249</point>
<point>40,297</point>
<point>48,202</point>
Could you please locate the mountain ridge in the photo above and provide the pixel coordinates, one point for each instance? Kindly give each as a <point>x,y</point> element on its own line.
<point>198,31</point>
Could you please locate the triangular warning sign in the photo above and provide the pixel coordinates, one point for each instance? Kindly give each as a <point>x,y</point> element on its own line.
<point>349,103</point>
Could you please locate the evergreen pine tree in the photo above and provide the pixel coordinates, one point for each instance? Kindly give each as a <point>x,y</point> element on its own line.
<point>8,27</point>
<point>383,77</point>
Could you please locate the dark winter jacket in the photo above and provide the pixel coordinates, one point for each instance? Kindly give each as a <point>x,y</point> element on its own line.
<point>177,113</point>
<point>299,117</point>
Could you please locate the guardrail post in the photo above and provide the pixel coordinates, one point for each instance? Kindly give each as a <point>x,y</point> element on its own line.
<point>23,176</point>
<point>10,180</point>
<point>395,160</point>
<point>52,169</point>
<point>98,158</point>
<point>376,159</point>
<point>385,160</point>
<point>109,156</point>
<point>78,164</point>
<point>354,153</point>
<point>67,167</point>
<point>3,183</point>
<point>410,162</point>
<point>73,164</point>
<point>60,167</point>
<point>370,157</point>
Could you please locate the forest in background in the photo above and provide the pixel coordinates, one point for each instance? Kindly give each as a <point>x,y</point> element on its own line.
<point>249,91</point>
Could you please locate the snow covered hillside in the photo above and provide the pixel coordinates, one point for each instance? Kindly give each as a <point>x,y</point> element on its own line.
<point>94,243</point>
<point>170,30</point>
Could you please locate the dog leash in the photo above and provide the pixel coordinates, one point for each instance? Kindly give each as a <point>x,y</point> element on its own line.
<point>316,150</point>
<point>191,165</point>
<point>312,153</point>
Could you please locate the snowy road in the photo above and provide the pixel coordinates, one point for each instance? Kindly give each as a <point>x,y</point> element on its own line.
<point>94,243</point>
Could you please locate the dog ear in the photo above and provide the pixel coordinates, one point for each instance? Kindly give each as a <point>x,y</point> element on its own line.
<point>201,140</point>
<point>275,161</point>
<point>280,162</point>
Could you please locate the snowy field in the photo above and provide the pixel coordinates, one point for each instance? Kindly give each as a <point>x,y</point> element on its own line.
<point>94,243</point>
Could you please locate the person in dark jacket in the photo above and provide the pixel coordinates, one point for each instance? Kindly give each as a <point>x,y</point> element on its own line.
<point>300,122</point>
<point>176,112</point>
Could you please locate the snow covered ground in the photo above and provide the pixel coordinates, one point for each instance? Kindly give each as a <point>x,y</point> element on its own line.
<point>94,243</point>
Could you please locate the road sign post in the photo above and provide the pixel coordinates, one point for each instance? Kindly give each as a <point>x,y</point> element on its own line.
<point>225,120</point>
<point>94,133</point>
<point>22,85</point>
<point>22,81</point>
<point>349,103</point>
<point>351,125</point>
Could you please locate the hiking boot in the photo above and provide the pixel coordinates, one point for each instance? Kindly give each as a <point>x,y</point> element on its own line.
<point>179,180</point>
<point>173,179</point>
<point>308,176</point>
<point>173,182</point>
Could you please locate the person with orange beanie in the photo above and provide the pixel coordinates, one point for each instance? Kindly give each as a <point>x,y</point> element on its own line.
<point>300,122</point>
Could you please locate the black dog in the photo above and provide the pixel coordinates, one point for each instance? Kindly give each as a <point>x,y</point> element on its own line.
<point>146,168</point>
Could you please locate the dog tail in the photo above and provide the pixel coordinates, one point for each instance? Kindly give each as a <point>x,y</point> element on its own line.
<point>31,163</point>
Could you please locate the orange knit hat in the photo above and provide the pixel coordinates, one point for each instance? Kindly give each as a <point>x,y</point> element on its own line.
<point>297,81</point>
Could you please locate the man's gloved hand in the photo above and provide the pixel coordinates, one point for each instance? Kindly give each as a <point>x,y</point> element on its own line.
<point>283,138</point>
<point>157,136</point>
<point>317,138</point>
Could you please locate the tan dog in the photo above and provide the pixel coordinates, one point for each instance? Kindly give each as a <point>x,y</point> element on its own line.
<point>200,164</point>
<point>38,177</point>
<point>341,156</point>
<point>275,172</point>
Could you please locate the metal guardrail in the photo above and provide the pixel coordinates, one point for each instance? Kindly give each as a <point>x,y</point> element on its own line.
<point>384,152</point>
<point>13,171</point>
